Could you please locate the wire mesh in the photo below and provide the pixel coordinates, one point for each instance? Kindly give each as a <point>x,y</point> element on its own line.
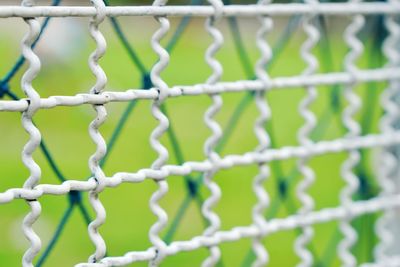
<point>357,198</point>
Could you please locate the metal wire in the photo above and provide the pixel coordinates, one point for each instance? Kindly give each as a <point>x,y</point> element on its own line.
<point>337,9</point>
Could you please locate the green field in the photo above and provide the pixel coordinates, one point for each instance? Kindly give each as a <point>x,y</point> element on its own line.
<point>65,131</point>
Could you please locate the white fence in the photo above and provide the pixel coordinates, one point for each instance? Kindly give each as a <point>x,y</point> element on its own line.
<point>386,253</point>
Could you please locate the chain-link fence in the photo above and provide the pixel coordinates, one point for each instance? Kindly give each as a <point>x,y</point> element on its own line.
<point>357,197</point>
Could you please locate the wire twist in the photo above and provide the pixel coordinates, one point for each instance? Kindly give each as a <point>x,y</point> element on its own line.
<point>34,136</point>
<point>263,138</point>
<point>162,88</point>
<point>388,160</point>
<point>101,147</point>
<point>354,130</point>
<point>212,141</point>
<point>307,202</point>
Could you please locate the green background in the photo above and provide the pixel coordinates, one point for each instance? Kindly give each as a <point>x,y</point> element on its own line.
<point>65,131</point>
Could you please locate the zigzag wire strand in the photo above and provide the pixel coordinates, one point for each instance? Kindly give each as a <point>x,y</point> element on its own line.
<point>212,141</point>
<point>304,133</point>
<point>101,147</point>
<point>162,87</point>
<point>388,160</point>
<point>354,130</point>
<point>263,138</point>
<point>34,136</point>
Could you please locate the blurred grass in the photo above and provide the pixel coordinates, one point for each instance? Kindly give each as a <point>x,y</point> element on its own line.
<point>128,216</point>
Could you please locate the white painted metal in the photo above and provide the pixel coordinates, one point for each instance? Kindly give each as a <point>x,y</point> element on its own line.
<point>159,171</point>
